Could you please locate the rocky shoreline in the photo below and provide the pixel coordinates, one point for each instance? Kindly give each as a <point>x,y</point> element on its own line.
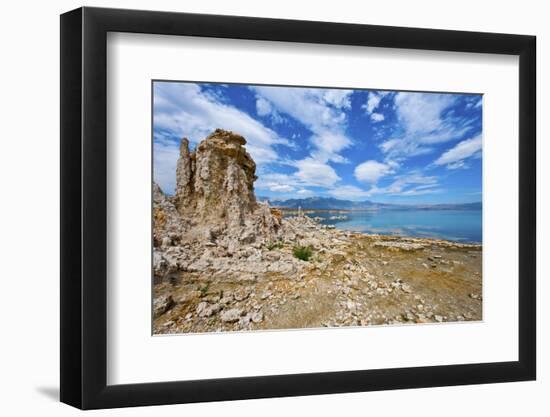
<point>223,261</point>
<point>351,279</point>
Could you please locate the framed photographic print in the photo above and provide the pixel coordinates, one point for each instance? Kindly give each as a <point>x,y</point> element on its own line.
<point>257,208</point>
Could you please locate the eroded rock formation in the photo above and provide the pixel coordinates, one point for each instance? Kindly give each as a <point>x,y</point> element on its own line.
<point>216,181</point>
<point>214,200</point>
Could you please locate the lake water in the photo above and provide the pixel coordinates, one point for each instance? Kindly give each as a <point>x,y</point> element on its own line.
<point>458,225</point>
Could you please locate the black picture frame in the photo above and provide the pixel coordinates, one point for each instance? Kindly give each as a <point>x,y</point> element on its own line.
<point>84,207</point>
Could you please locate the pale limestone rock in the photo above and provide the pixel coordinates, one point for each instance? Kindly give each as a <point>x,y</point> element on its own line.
<point>167,225</point>
<point>231,315</point>
<point>214,183</point>
<point>205,309</point>
<point>162,304</point>
<point>257,317</point>
<point>214,203</point>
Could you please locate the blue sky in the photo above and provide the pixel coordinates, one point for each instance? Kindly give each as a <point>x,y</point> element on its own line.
<point>385,146</point>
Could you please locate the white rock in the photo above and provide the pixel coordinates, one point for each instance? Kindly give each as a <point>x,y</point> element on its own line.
<point>266,294</point>
<point>231,316</point>
<point>162,304</point>
<point>257,317</point>
<point>227,299</point>
<point>406,288</point>
<point>205,309</point>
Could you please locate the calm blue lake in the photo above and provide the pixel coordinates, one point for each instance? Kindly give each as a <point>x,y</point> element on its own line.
<point>458,225</point>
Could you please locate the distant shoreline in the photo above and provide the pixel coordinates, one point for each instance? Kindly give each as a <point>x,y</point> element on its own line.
<point>321,222</point>
<point>292,210</point>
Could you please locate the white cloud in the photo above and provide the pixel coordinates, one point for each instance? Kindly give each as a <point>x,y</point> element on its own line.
<point>277,183</point>
<point>371,171</point>
<point>454,157</point>
<point>424,122</point>
<point>474,102</point>
<point>413,178</point>
<point>349,192</point>
<point>315,173</point>
<point>418,191</point>
<point>373,100</point>
<point>267,180</point>
<point>310,173</point>
<point>322,111</point>
<point>338,98</point>
<point>328,144</point>
<point>377,117</point>
<point>281,188</point>
<point>314,108</point>
<point>186,111</point>
<point>427,186</point>
<point>458,165</point>
<point>264,108</point>
<point>409,184</point>
<point>422,112</point>
<point>398,148</point>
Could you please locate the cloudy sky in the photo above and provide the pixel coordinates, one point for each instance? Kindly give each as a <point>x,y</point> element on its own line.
<point>384,146</point>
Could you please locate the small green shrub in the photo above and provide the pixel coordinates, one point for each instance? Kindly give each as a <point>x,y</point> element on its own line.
<point>204,290</point>
<point>302,252</point>
<point>274,245</point>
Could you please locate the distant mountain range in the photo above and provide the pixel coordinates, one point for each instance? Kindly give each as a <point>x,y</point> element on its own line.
<point>329,203</point>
